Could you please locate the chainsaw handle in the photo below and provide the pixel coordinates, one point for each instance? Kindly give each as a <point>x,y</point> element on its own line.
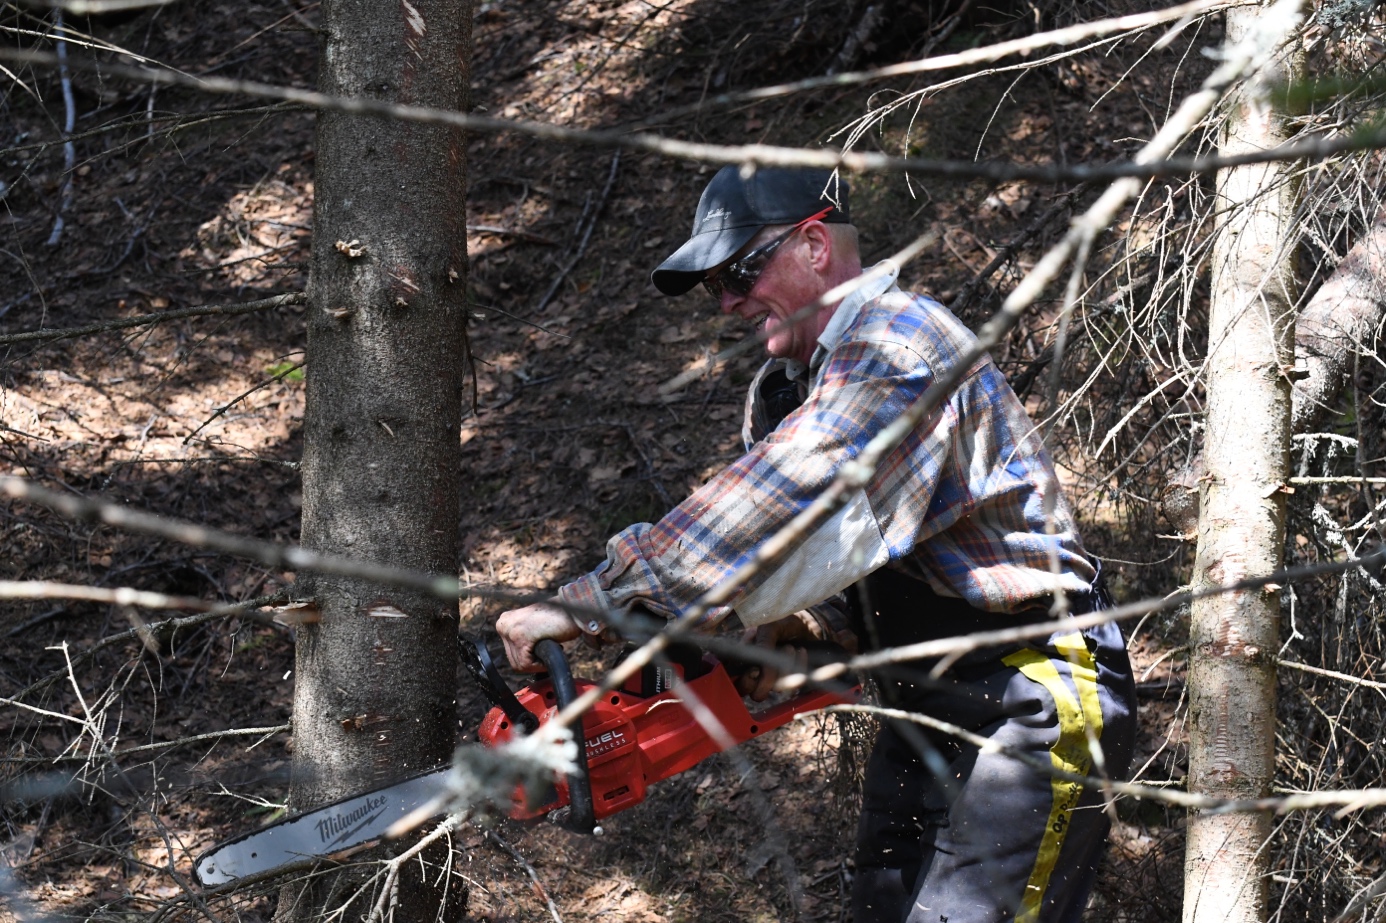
<point>582,818</point>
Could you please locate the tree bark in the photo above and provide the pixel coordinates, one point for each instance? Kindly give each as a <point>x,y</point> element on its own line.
<point>1342,320</point>
<point>1241,526</point>
<point>375,678</point>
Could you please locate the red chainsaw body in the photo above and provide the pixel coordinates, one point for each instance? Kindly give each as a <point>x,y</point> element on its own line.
<point>636,740</point>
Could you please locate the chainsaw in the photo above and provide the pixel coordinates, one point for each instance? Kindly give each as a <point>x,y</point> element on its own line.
<point>634,736</point>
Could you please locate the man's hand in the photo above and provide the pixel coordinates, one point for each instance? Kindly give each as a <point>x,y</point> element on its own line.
<point>759,681</point>
<point>521,629</point>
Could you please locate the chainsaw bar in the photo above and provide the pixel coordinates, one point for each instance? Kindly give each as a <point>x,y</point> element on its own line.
<point>320,832</point>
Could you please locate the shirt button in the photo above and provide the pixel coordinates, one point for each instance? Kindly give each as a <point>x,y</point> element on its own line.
<point>594,627</point>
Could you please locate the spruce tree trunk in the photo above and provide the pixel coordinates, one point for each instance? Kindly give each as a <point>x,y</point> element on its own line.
<point>375,678</point>
<point>1241,526</point>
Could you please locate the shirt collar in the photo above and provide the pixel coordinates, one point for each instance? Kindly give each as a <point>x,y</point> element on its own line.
<point>875,282</point>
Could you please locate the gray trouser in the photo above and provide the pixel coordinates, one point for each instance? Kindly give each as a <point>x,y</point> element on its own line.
<point>989,838</point>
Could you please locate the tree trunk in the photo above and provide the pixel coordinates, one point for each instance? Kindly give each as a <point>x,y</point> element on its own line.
<point>1341,322</point>
<point>375,678</point>
<point>1241,527</point>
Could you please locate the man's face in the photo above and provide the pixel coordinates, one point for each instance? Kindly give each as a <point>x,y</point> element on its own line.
<point>785,285</point>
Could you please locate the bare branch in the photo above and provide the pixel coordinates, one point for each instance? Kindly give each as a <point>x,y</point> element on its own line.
<point>145,320</point>
<point>586,234</point>
<point>962,645</point>
<point>119,596</point>
<point>1376,482</point>
<point>267,553</point>
<point>1068,35</point>
<point>1354,800</point>
<point>761,154</point>
<point>172,625</point>
<point>529,870</point>
<point>1331,674</point>
<point>242,396</point>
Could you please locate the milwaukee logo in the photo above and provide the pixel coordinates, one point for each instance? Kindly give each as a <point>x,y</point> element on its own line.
<point>340,828</point>
<point>604,743</point>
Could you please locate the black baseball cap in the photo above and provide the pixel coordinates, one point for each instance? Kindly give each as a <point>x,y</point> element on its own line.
<point>734,207</point>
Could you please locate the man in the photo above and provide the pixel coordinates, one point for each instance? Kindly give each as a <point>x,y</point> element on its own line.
<point>962,528</point>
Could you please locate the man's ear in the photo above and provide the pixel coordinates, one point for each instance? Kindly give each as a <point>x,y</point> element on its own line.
<point>820,241</point>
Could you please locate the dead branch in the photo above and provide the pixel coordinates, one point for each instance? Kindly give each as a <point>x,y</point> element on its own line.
<point>514,853</point>
<point>161,745</point>
<point>511,232</point>
<point>242,396</point>
<point>69,123</point>
<point>146,320</point>
<point>759,154</point>
<point>1332,674</point>
<point>267,553</point>
<point>1069,35</point>
<point>1355,800</point>
<point>118,596</point>
<point>170,625</point>
<point>586,234</point>
<point>1009,249</point>
<point>180,122</point>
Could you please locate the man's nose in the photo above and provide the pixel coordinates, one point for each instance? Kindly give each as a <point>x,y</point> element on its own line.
<point>730,300</point>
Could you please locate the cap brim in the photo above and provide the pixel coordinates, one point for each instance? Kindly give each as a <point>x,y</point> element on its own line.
<point>686,267</point>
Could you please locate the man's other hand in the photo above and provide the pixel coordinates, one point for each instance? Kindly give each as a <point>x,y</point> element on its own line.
<point>759,681</point>
<point>521,629</point>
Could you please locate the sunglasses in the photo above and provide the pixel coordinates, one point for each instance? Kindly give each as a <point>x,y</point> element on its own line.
<point>741,276</point>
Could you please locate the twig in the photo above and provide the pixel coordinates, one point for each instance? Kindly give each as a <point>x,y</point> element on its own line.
<point>35,621</point>
<point>1354,800</point>
<point>172,625</point>
<point>69,124</point>
<point>528,323</point>
<point>119,596</point>
<point>1360,901</point>
<point>586,236</point>
<point>962,645</point>
<point>240,397</point>
<point>760,154</point>
<point>182,122</point>
<point>529,869</point>
<point>1010,247</point>
<point>1070,35</point>
<point>389,891</point>
<point>1332,674</point>
<point>94,726</point>
<point>1354,479</point>
<point>97,7</point>
<point>510,232</point>
<point>162,745</point>
<point>145,320</point>
<point>1272,26</point>
<point>271,554</point>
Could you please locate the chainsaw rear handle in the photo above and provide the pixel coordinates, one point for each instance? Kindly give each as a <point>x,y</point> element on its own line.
<point>582,817</point>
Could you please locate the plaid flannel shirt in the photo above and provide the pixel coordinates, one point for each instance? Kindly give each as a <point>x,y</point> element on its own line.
<point>961,503</point>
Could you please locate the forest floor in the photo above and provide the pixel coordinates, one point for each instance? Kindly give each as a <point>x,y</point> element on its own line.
<point>182,199</point>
